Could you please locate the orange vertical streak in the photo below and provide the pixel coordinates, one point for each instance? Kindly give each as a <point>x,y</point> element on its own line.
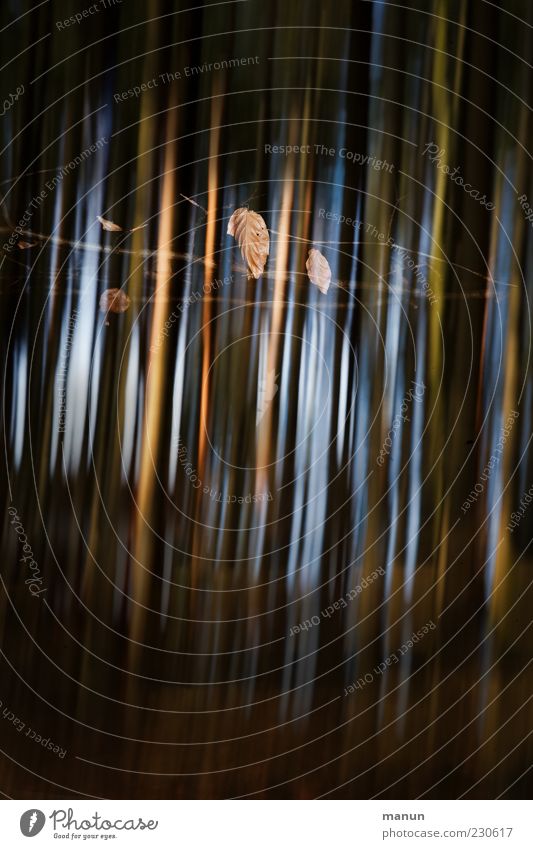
<point>208,305</point>
<point>210,236</point>
<point>155,393</point>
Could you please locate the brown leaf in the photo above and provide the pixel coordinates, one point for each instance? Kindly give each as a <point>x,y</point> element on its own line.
<point>24,245</point>
<point>109,225</point>
<point>318,270</point>
<point>251,233</point>
<point>114,300</point>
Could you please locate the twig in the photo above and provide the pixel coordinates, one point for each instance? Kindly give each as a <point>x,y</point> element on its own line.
<point>88,246</point>
<point>194,203</point>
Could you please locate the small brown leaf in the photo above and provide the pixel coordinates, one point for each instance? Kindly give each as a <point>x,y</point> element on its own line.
<point>109,225</point>
<point>114,300</point>
<point>24,245</point>
<point>318,270</point>
<point>251,233</point>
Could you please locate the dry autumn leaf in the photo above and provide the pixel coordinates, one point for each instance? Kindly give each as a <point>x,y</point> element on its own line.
<point>318,270</point>
<point>114,300</point>
<point>251,233</point>
<point>109,225</point>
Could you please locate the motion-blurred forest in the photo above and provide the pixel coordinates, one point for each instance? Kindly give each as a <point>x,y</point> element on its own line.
<point>161,646</point>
